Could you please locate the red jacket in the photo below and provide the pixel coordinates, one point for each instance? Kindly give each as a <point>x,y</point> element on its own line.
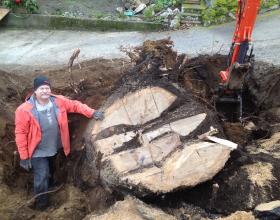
<point>28,131</point>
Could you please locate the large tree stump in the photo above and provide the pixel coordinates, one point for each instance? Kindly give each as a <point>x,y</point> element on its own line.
<point>148,139</point>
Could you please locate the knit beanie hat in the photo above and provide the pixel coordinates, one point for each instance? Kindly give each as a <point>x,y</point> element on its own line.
<point>39,81</point>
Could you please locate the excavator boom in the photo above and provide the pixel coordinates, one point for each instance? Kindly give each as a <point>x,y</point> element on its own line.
<point>239,60</point>
<point>245,20</point>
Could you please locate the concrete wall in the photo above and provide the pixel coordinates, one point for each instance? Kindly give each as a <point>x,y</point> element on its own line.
<point>66,23</point>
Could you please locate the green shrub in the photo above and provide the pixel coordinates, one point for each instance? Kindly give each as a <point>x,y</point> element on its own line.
<point>161,4</point>
<point>269,3</point>
<point>149,12</point>
<point>167,3</point>
<point>221,9</point>
<point>31,6</point>
<point>219,13</point>
<point>158,6</point>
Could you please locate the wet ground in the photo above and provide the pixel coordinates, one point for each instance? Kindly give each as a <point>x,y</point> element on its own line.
<point>95,81</point>
<point>241,185</point>
<point>35,50</point>
<point>25,54</point>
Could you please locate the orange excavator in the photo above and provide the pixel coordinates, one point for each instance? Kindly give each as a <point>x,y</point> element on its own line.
<point>240,56</point>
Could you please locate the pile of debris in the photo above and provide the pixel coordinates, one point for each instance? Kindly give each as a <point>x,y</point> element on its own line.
<point>168,13</point>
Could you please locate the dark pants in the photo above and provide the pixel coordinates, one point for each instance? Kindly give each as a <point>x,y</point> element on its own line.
<point>42,174</point>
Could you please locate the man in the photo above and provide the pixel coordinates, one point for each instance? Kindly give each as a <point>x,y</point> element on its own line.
<point>41,129</point>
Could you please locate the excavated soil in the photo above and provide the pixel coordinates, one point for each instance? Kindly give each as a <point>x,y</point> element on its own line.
<point>250,177</point>
<point>74,199</point>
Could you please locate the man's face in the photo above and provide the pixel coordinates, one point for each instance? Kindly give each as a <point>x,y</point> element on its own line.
<point>43,92</point>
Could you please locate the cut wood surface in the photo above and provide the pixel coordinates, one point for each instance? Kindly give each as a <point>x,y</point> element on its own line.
<point>145,147</point>
<point>148,142</point>
<point>3,12</point>
<point>137,108</point>
<point>194,164</point>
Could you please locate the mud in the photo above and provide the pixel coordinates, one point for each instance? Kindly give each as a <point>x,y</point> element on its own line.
<point>90,85</point>
<point>250,177</point>
<point>238,187</point>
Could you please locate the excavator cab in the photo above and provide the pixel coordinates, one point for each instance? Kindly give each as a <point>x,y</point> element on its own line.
<point>240,61</point>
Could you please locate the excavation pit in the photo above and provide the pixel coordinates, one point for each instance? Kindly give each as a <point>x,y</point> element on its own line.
<point>249,176</point>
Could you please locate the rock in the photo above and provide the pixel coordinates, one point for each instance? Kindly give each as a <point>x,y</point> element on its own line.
<point>167,12</point>
<point>140,8</point>
<point>132,4</point>
<point>250,126</point>
<point>120,9</point>
<point>139,2</point>
<point>269,210</point>
<point>274,7</point>
<point>131,208</point>
<point>239,215</point>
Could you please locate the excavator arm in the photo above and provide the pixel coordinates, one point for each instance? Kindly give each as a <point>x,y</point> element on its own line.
<point>241,42</point>
<point>239,61</point>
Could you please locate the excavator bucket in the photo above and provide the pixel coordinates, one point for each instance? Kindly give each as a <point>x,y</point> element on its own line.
<point>229,97</point>
<point>228,100</point>
<point>229,104</point>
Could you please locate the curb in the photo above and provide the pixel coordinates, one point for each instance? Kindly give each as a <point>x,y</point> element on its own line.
<point>35,21</point>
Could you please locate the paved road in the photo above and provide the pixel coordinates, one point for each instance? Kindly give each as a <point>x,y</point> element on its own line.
<point>31,50</point>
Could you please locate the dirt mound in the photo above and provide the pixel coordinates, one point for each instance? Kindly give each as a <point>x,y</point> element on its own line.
<point>94,81</point>
<point>250,177</point>
<point>264,86</point>
<point>240,184</point>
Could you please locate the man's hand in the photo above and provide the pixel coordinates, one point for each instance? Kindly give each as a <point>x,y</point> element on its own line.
<point>26,164</point>
<point>97,115</point>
